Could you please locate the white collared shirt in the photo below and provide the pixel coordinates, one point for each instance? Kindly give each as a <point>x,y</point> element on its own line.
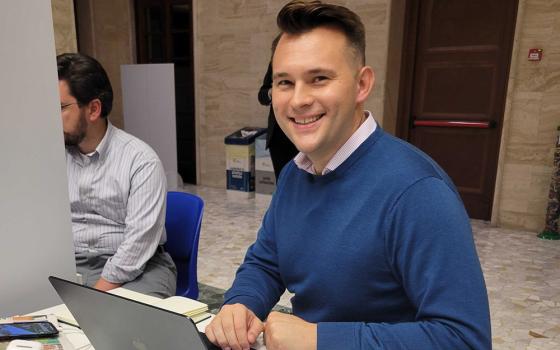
<point>358,137</point>
<point>117,201</point>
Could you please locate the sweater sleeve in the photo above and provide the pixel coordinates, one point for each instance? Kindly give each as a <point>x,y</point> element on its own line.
<point>258,284</point>
<point>430,248</point>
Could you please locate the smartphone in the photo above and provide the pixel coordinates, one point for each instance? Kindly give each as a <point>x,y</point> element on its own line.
<point>27,330</point>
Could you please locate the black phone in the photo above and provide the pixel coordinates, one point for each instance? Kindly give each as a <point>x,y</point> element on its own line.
<point>27,330</point>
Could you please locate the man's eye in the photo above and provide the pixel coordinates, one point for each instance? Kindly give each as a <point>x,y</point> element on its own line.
<point>284,83</point>
<point>319,79</point>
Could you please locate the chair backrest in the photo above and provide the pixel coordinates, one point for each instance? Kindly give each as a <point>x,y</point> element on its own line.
<point>182,223</point>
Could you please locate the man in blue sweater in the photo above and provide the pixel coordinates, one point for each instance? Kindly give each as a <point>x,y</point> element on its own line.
<point>367,231</point>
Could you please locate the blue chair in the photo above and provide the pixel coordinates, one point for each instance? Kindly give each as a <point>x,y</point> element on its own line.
<point>182,223</point>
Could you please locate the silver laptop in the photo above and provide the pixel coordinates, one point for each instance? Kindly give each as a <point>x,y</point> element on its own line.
<point>112,322</point>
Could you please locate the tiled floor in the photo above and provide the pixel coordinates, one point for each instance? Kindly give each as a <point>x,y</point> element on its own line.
<point>522,272</point>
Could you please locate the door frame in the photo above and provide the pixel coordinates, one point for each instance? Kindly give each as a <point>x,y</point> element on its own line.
<point>411,14</point>
<point>139,25</point>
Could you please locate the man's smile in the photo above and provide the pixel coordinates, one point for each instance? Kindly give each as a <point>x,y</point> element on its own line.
<point>307,120</point>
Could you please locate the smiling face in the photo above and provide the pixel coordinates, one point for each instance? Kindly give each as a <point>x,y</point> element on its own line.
<point>318,91</point>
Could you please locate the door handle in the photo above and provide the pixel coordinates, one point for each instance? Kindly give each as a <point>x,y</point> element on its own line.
<point>456,124</point>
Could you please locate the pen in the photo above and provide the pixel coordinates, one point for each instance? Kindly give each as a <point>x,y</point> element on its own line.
<point>68,323</point>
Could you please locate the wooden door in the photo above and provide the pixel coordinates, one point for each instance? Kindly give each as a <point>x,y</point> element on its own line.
<point>164,34</point>
<point>453,90</point>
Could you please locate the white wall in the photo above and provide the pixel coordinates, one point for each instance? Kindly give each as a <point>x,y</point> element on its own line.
<point>35,230</point>
<point>149,112</point>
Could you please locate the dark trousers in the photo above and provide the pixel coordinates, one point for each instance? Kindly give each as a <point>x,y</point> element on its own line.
<point>158,279</point>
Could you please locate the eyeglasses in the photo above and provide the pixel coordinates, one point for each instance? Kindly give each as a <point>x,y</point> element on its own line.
<point>63,107</point>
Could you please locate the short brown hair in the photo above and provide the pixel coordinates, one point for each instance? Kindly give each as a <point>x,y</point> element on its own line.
<point>298,17</point>
<point>86,79</point>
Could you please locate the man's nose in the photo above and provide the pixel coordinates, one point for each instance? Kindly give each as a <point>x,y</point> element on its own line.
<point>302,97</point>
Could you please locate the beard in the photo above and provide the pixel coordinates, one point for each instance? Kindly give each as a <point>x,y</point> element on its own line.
<point>73,139</point>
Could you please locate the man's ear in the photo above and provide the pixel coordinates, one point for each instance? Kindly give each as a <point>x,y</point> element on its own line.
<point>366,80</point>
<point>94,110</point>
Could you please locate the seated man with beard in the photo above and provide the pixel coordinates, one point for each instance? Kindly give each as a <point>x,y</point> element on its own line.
<point>117,188</point>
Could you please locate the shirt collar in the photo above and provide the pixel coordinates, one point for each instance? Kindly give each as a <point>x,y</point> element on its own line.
<point>358,137</point>
<point>103,146</point>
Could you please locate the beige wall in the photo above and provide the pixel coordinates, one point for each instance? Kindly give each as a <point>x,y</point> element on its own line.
<point>532,116</point>
<point>232,52</point>
<point>64,26</point>
<point>106,32</point>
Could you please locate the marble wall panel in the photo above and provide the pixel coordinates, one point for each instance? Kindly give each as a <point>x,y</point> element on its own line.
<point>64,26</point>
<point>530,152</point>
<point>540,182</point>
<point>550,116</point>
<point>107,31</point>
<point>517,181</point>
<point>529,142</point>
<point>532,223</point>
<point>533,78</point>
<point>552,81</point>
<point>523,124</point>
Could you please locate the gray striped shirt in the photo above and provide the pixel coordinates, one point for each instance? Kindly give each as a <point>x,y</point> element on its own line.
<point>117,200</point>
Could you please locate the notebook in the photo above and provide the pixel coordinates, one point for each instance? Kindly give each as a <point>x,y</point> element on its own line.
<point>194,309</point>
<point>114,322</point>
<point>178,304</point>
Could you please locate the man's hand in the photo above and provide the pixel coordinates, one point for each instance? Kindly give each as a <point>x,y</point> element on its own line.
<point>104,285</point>
<point>284,331</point>
<point>234,327</point>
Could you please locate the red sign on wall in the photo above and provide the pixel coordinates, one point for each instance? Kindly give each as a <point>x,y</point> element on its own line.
<point>535,54</point>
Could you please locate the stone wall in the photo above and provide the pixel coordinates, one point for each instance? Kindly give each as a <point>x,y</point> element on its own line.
<point>64,26</point>
<point>532,116</point>
<point>106,32</point>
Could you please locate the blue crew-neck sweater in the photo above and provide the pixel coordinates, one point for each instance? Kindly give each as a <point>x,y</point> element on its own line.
<point>378,252</point>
